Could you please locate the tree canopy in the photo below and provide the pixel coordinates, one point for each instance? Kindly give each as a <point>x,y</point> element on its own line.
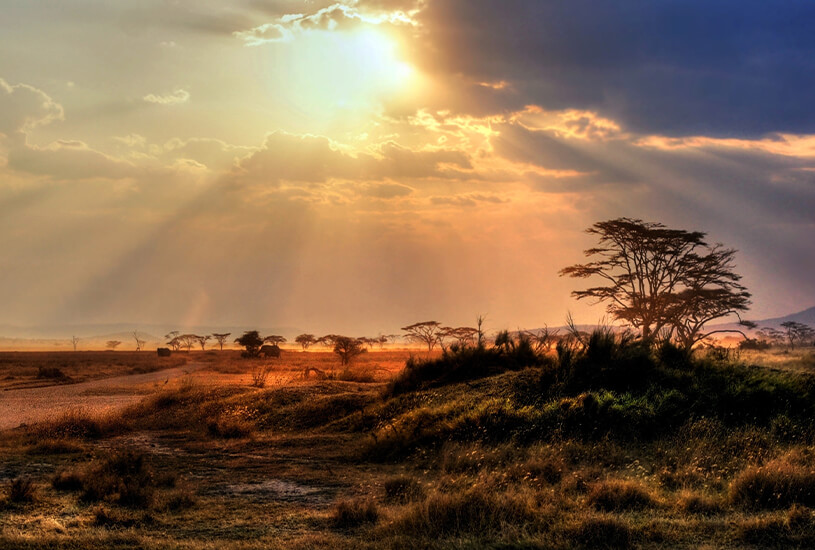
<point>663,282</point>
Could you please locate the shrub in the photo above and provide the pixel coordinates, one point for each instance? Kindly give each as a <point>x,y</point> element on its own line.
<point>53,373</point>
<point>73,424</point>
<point>353,513</point>
<point>259,376</point>
<point>478,510</point>
<point>21,489</point>
<point>230,427</point>
<point>403,489</point>
<point>123,477</point>
<point>459,364</point>
<point>67,480</point>
<point>693,503</point>
<point>618,495</point>
<point>178,500</point>
<point>778,484</point>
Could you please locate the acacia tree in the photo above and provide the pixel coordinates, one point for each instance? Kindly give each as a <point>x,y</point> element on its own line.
<point>139,342</point>
<point>202,341</point>
<point>427,332</point>
<point>797,332</point>
<point>274,340</point>
<point>74,341</point>
<point>348,348</point>
<point>112,344</point>
<point>660,280</point>
<point>221,338</point>
<point>173,339</point>
<point>306,340</point>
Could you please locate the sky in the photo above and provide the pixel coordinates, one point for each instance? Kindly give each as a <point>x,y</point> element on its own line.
<point>361,165</point>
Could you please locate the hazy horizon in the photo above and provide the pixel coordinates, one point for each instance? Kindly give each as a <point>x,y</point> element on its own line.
<point>360,165</point>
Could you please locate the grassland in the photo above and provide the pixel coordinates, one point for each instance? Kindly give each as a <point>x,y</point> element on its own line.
<point>606,445</point>
<point>27,369</point>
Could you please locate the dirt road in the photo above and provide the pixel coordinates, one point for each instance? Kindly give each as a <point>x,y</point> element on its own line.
<point>26,406</point>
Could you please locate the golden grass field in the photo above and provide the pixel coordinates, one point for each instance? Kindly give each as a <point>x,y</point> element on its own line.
<point>206,460</point>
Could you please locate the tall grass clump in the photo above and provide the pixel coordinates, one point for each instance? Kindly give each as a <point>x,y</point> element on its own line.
<point>778,484</point>
<point>460,363</point>
<point>475,511</point>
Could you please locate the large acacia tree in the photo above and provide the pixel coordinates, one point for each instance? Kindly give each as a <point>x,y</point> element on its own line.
<point>661,281</point>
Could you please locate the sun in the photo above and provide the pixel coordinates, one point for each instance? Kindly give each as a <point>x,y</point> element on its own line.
<point>341,74</point>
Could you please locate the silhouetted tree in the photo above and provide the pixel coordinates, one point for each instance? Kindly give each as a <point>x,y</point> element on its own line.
<point>772,336</point>
<point>221,338</point>
<point>112,344</point>
<point>173,339</point>
<point>251,341</point>
<point>348,348</point>
<point>74,341</point>
<point>427,332</point>
<point>797,332</point>
<point>274,340</point>
<point>660,280</point>
<point>306,340</point>
<point>202,341</point>
<point>461,336</point>
<point>139,342</point>
<point>187,341</point>
<point>328,340</point>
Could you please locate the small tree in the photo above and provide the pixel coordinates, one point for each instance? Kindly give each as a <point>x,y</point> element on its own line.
<point>251,341</point>
<point>187,341</point>
<point>274,340</point>
<point>74,341</point>
<point>173,339</point>
<point>202,341</point>
<point>797,332</point>
<point>221,339</point>
<point>328,340</point>
<point>348,348</point>
<point>306,340</point>
<point>427,332</point>
<point>112,344</point>
<point>139,342</point>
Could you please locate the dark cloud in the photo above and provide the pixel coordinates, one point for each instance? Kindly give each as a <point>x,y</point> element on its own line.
<point>668,67</point>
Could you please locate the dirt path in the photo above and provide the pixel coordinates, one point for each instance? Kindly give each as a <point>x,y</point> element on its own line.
<point>25,406</point>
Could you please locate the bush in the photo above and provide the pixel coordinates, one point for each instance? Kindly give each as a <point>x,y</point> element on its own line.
<point>21,489</point>
<point>55,447</point>
<point>353,513</point>
<point>123,477</point>
<point>73,424</point>
<point>692,503</point>
<point>618,495</point>
<point>53,373</point>
<point>475,511</point>
<point>459,364</point>
<point>403,489</point>
<point>230,427</point>
<point>778,484</point>
<point>67,480</point>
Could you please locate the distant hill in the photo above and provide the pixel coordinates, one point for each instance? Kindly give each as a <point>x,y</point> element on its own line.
<point>807,317</point>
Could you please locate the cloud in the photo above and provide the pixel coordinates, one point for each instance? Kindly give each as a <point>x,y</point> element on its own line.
<point>289,157</point>
<point>178,96</point>
<point>467,200</point>
<point>726,69</point>
<point>337,17</point>
<point>68,160</point>
<point>24,107</point>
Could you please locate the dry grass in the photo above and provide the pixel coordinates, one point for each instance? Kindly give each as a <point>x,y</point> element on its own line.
<point>780,483</point>
<point>20,369</point>
<point>620,495</point>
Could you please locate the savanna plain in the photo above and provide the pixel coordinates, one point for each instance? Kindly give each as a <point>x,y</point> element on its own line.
<point>597,442</point>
